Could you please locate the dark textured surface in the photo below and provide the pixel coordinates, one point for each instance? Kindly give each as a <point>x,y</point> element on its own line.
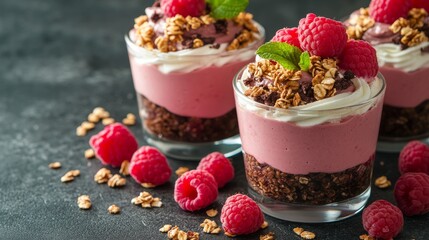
<point>58,60</point>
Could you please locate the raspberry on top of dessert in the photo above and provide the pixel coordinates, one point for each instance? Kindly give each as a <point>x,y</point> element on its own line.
<point>310,63</point>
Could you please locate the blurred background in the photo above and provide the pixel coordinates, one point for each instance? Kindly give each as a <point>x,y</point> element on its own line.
<point>59,36</point>
<point>61,58</point>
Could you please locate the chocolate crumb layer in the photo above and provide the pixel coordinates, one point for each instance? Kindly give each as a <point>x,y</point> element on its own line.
<point>405,122</point>
<point>314,188</point>
<point>167,125</point>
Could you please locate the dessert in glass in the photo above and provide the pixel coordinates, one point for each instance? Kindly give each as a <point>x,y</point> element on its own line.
<point>400,37</point>
<point>309,113</point>
<point>182,61</point>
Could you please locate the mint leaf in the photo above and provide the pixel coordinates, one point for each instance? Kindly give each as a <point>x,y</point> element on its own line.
<point>304,61</point>
<point>226,9</point>
<point>285,54</point>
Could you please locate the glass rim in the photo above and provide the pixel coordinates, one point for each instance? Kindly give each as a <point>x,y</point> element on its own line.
<point>248,100</point>
<point>133,47</point>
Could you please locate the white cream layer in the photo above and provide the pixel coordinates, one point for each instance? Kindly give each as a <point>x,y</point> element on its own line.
<point>342,103</point>
<point>407,60</point>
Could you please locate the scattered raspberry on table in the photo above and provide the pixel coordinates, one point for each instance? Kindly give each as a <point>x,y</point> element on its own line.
<point>412,193</point>
<point>195,190</point>
<point>148,165</point>
<point>414,157</point>
<point>114,144</point>
<point>241,215</point>
<point>219,166</point>
<point>382,220</point>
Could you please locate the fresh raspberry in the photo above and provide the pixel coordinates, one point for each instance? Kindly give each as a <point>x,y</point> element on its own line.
<point>382,220</point>
<point>287,35</point>
<point>414,157</point>
<point>193,8</point>
<point>321,36</point>
<point>420,4</point>
<point>359,57</point>
<point>219,166</point>
<point>195,190</point>
<point>241,215</point>
<point>412,193</point>
<point>388,11</point>
<point>114,144</point>
<point>149,165</point>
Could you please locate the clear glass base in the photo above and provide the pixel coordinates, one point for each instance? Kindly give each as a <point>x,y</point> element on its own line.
<point>194,151</point>
<point>311,213</point>
<point>396,145</point>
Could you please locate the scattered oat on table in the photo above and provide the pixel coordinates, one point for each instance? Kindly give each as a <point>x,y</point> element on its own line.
<point>146,200</point>
<point>366,237</point>
<point>210,226</point>
<point>148,185</point>
<point>124,170</point>
<point>304,234</point>
<point>94,118</point>
<point>89,153</point>
<point>264,225</point>
<point>116,181</point>
<point>165,228</point>
<point>229,235</point>
<point>108,121</point>
<point>298,230</point>
<point>80,131</point>
<point>129,120</point>
<point>382,182</point>
<point>101,112</point>
<point>211,212</point>
<point>70,176</point>
<point>176,234</point>
<point>181,170</point>
<point>87,125</point>
<point>103,175</point>
<point>268,236</point>
<point>84,202</point>
<point>114,209</point>
<point>54,165</point>
<point>307,235</point>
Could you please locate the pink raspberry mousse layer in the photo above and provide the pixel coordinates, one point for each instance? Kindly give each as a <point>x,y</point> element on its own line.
<point>405,89</point>
<point>205,92</point>
<point>328,147</point>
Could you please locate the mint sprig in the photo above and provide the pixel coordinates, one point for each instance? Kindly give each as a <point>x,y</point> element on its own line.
<point>289,56</point>
<point>226,9</point>
<point>304,61</point>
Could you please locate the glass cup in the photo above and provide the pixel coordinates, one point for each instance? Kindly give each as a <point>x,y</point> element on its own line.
<point>185,98</point>
<point>405,114</point>
<point>302,167</point>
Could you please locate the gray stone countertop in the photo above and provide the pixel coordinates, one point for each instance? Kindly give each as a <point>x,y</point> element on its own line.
<point>58,60</point>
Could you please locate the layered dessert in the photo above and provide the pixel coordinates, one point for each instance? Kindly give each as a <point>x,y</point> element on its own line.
<point>309,109</point>
<point>399,33</point>
<point>183,55</point>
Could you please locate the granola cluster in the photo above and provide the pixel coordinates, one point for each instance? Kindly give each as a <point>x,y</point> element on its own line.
<point>359,23</point>
<point>177,26</point>
<point>176,234</point>
<point>411,30</point>
<point>146,200</point>
<point>271,84</point>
